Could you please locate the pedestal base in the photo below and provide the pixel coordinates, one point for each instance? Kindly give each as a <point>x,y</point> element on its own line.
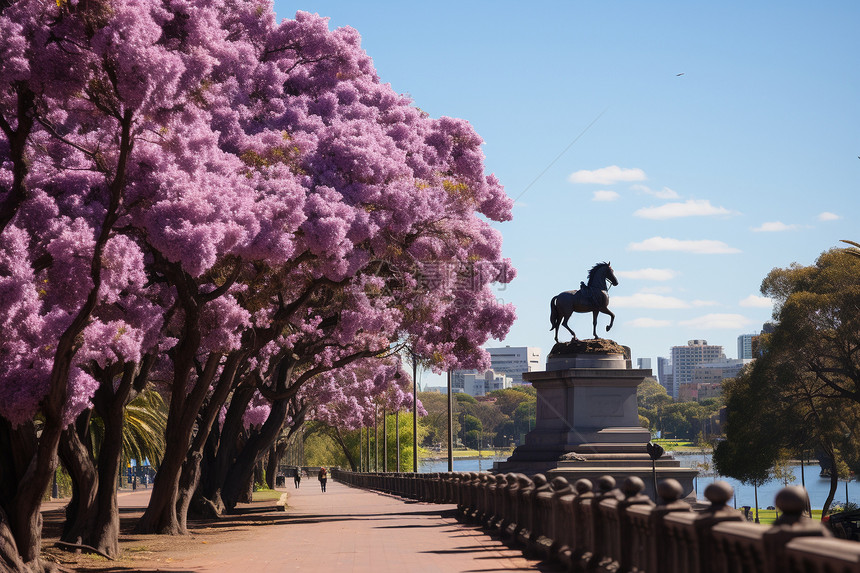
<point>588,425</point>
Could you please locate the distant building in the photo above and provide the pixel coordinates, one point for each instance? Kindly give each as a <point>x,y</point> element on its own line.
<point>475,383</point>
<point>718,371</point>
<point>664,374</point>
<point>685,358</point>
<point>708,379</point>
<point>643,363</point>
<point>698,391</point>
<point>514,360</point>
<point>745,346</point>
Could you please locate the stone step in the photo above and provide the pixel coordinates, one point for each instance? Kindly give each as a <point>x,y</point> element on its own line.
<point>611,447</point>
<point>617,463</point>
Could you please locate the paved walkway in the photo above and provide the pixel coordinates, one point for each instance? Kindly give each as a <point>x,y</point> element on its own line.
<point>349,529</point>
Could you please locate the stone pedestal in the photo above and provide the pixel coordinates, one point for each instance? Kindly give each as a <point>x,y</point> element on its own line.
<point>588,424</point>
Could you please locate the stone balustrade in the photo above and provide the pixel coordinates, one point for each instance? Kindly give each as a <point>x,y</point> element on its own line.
<point>606,528</point>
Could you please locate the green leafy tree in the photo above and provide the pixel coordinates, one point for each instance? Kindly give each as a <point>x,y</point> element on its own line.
<point>508,399</point>
<point>434,426</point>
<point>652,398</point>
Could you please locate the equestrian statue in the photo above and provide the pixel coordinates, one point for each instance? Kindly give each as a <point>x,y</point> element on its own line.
<point>592,298</point>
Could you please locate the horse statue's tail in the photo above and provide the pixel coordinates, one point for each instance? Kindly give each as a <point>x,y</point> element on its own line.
<point>554,318</point>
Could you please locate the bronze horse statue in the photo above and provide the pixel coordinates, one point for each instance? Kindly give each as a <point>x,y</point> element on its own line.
<point>591,298</point>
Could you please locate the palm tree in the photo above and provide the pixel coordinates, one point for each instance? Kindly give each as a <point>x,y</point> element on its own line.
<point>143,428</point>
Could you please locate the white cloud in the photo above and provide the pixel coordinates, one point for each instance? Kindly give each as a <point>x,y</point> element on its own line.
<point>700,303</point>
<point>656,289</point>
<point>774,227</point>
<point>604,195</point>
<point>648,274</point>
<point>700,247</point>
<point>756,301</point>
<point>727,321</point>
<point>828,216</point>
<point>664,193</point>
<point>648,323</point>
<point>648,300</point>
<point>690,208</point>
<point>607,175</point>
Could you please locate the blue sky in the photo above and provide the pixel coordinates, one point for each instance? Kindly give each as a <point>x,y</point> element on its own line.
<point>695,146</point>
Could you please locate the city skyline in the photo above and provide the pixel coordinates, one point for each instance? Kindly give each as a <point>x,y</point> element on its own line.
<point>695,147</point>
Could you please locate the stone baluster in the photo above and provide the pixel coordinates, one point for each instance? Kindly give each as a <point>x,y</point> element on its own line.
<point>631,537</point>
<point>547,540</point>
<point>583,548</point>
<point>693,550</point>
<point>534,518</point>
<point>498,502</point>
<point>522,507</point>
<point>509,504</point>
<point>791,501</point>
<point>668,501</point>
<point>603,516</point>
<point>822,555</point>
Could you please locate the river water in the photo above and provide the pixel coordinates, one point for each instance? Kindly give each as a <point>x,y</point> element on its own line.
<point>818,487</point>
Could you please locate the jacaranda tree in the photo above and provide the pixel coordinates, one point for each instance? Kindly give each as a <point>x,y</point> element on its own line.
<point>198,200</point>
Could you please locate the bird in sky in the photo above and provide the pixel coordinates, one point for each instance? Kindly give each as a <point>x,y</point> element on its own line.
<point>681,74</point>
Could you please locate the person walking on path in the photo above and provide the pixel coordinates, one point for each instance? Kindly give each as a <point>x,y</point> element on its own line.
<point>297,478</point>
<point>323,477</point>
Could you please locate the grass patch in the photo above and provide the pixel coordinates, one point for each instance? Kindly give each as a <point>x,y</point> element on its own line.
<point>267,495</point>
<point>671,445</point>
<point>768,516</point>
<point>464,453</point>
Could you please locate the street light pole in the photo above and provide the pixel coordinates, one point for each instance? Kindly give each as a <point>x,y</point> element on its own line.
<point>414,414</point>
<point>384,439</point>
<point>376,437</point>
<point>450,425</point>
<point>397,436</point>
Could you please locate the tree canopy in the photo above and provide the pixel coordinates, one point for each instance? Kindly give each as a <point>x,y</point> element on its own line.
<point>802,391</point>
<point>197,199</point>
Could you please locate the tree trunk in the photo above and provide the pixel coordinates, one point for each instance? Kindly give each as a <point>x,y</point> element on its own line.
<point>12,455</point>
<point>191,469</point>
<point>259,472</point>
<point>241,471</point>
<point>272,467</point>
<point>78,461</point>
<point>110,404</point>
<point>227,443</point>
<point>161,515</point>
<point>755,489</point>
<point>339,439</point>
<point>834,483</point>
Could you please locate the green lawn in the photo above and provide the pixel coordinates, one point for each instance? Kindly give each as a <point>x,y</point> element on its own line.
<point>768,516</point>
<point>463,453</point>
<point>267,495</point>
<point>672,445</point>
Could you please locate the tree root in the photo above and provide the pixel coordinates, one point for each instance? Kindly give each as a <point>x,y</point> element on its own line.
<point>78,547</point>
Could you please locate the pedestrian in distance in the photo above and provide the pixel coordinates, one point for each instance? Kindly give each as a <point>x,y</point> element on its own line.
<point>297,478</point>
<point>323,477</point>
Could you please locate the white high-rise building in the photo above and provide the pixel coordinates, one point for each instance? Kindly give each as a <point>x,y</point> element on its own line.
<point>685,358</point>
<point>514,360</point>
<point>745,346</point>
<point>475,383</point>
<point>664,374</point>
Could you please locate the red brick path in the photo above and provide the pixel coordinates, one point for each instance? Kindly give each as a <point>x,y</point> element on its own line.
<point>348,529</point>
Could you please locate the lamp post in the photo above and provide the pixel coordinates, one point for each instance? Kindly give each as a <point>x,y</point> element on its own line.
<point>655,452</point>
<point>376,437</point>
<point>450,424</point>
<point>384,439</point>
<point>397,436</point>
<point>414,414</point>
